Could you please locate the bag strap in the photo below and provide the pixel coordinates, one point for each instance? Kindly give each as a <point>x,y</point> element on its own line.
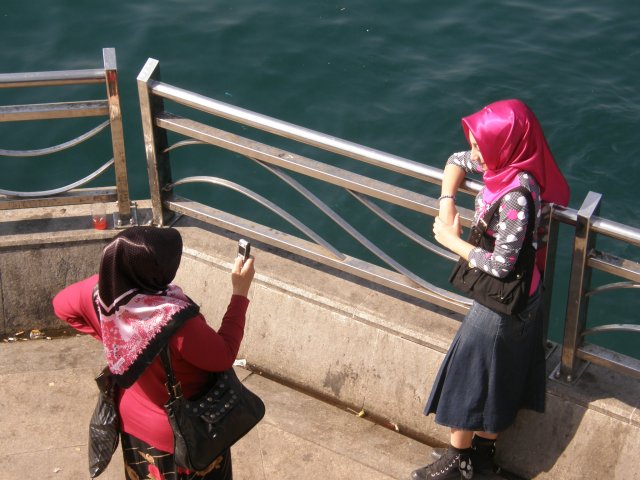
<point>173,385</point>
<point>483,221</point>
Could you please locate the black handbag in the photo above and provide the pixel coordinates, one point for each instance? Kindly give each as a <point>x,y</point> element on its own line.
<point>206,426</point>
<point>104,426</point>
<point>509,295</point>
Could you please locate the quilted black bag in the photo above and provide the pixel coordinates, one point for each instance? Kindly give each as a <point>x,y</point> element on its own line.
<point>206,426</point>
<point>104,426</point>
<point>509,295</point>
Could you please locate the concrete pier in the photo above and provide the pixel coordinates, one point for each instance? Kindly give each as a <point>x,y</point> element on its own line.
<point>48,395</point>
<point>322,340</point>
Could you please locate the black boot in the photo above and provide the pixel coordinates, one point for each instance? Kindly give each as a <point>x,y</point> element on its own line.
<point>453,464</point>
<point>484,451</point>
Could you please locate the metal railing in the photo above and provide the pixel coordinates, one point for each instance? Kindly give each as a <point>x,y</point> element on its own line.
<point>108,107</point>
<point>586,259</point>
<point>157,122</point>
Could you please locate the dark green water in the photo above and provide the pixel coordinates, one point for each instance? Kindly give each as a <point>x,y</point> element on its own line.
<point>395,76</point>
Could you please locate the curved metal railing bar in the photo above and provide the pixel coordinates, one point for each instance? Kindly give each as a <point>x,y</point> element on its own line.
<point>614,327</point>
<point>66,188</point>
<point>423,242</point>
<point>262,201</point>
<point>419,240</point>
<point>611,286</point>
<point>56,148</point>
<point>183,143</point>
<point>324,208</point>
<point>347,227</point>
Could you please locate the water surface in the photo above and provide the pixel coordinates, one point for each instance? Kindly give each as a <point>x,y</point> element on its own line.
<point>395,76</point>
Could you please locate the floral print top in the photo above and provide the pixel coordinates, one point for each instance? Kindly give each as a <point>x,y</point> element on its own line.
<point>508,226</point>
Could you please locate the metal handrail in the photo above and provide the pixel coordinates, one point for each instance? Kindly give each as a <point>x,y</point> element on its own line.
<point>55,78</point>
<point>304,135</point>
<point>157,122</point>
<point>109,107</point>
<point>616,230</point>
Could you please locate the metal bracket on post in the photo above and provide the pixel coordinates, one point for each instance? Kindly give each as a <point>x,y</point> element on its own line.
<point>129,221</point>
<point>570,378</point>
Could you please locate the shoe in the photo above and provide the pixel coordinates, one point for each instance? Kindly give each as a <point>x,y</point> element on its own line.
<point>437,453</point>
<point>482,456</point>
<point>452,464</point>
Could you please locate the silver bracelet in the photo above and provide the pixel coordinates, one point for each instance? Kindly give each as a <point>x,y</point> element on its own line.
<point>452,197</point>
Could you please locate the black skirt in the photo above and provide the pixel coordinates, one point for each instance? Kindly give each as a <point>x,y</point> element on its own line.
<point>495,366</point>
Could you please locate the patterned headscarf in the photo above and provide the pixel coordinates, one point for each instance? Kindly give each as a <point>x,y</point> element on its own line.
<point>511,140</point>
<point>139,308</point>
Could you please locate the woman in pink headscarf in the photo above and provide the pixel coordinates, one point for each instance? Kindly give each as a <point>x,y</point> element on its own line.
<point>495,365</point>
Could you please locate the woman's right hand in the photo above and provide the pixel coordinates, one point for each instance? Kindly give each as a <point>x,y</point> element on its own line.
<point>242,276</point>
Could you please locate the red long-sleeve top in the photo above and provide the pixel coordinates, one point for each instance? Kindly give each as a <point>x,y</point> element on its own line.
<point>196,349</point>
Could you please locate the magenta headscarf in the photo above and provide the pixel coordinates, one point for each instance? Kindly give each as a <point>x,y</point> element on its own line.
<point>511,140</point>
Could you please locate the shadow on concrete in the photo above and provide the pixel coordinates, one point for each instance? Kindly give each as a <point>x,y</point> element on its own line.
<point>539,441</point>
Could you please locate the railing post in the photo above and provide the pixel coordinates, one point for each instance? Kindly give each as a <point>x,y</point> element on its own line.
<point>579,282</point>
<point>155,141</point>
<point>552,228</point>
<point>117,136</point>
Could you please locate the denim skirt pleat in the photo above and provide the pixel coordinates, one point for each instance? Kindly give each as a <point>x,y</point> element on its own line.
<point>495,366</point>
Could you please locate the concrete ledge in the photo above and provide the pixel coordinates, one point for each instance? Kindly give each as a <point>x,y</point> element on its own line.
<point>344,340</point>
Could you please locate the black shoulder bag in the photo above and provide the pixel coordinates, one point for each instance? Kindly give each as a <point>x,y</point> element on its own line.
<point>507,295</point>
<point>104,426</point>
<point>205,426</point>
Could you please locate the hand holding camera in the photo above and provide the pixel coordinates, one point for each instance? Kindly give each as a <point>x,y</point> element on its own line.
<point>244,249</point>
<point>243,271</point>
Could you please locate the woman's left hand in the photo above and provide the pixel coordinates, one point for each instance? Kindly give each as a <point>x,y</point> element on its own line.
<point>242,275</point>
<point>444,233</point>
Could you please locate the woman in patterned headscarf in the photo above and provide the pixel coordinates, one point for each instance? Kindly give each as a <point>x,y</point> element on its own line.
<point>135,310</point>
<point>495,364</point>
